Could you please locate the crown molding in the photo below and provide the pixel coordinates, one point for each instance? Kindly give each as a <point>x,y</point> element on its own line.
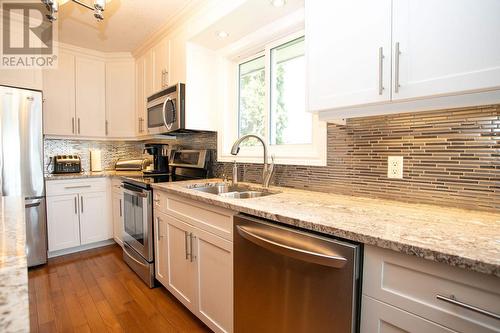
<point>109,56</point>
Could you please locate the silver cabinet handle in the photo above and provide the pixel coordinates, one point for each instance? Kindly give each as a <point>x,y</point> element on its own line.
<point>186,244</point>
<point>73,125</point>
<point>397,52</point>
<point>106,127</point>
<point>456,302</point>
<point>166,78</point>
<point>191,255</point>
<point>380,70</point>
<point>81,203</point>
<point>78,125</point>
<point>121,215</point>
<point>267,240</point>
<point>77,186</point>
<point>76,203</point>
<point>158,229</point>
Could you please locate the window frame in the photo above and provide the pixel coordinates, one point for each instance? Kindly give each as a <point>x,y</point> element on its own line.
<point>313,154</point>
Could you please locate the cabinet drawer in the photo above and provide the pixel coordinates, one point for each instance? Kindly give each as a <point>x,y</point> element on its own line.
<point>70,186</point>
<point>378,317</point>
<point>216,220</point>
<point>414,284</point>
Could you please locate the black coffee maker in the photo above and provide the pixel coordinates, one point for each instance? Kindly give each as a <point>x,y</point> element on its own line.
<point>160,154</point>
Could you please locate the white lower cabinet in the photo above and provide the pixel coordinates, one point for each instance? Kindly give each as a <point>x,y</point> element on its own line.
<point>379,317</point>
<point>194,264</point>
<point>77,213</point>
<point>403,293</point>
<point>94,226</point>
<point>63,222</point>
<point>117,210</point>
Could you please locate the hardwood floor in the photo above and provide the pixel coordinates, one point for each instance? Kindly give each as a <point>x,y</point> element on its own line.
<point>95,291</point>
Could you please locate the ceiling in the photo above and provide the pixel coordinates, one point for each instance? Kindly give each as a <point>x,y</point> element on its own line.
<point>247,18</point>
<point>127,23</point>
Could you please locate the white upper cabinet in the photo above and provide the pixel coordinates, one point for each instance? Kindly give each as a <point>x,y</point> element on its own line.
<point>148,74</point>
<point>177,71</point>
<point>59,97</point>
<point>22,78</point>
<point>120,99</point>
<point>348,52</point>
<point>161,64</point>
<point>446,46</point>
<point>140,96</point>
<point>90,97</point>
<point>376,57</point>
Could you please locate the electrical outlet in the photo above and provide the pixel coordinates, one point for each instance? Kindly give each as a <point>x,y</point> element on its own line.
<point>395,167</point>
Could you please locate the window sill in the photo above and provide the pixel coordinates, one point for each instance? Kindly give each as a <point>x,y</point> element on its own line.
<point>306,161</point>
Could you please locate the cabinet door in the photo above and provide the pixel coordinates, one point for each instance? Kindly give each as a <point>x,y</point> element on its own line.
<point>90,97</point>
<point>118,217</point>
<point>94,225</point>
<point>348,49</point>
<point>379,317</point>
<point>161,251</point>
<point>181,268</point>
<point>63,224</point>
<point>148,74</point>
<point>59,97</point>
<point>177,71</point>
<point>161,61</point>
<point>140,96</point>
<point>446,47</point>
<point>214,261</point>
<point>120,99</point>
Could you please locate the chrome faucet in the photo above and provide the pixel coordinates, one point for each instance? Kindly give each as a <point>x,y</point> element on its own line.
<point>268,168</point>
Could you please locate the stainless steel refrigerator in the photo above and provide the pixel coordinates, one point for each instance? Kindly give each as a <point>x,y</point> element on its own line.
<point>21,163</point>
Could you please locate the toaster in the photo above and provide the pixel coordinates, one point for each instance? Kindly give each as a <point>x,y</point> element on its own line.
<point>67,164</point>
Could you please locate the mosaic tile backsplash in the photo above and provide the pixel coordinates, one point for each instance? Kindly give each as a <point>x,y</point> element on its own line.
<point>451,157</point>
<point>110,150</point>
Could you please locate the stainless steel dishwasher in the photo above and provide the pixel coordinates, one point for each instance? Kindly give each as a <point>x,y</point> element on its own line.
<point>286,280</point>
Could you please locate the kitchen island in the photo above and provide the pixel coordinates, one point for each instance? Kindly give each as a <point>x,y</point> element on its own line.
<point>14,305</point>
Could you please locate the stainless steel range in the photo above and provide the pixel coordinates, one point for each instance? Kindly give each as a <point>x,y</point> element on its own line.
<point>138,251</point>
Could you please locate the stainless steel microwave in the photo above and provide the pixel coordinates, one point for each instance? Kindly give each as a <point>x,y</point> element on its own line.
<point>165,110</point>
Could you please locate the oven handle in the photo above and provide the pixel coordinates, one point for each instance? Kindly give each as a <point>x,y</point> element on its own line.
<point>125,246</point>
<point>130,191</point>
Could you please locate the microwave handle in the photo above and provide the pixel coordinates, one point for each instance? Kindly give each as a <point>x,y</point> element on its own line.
<point>168,126</point>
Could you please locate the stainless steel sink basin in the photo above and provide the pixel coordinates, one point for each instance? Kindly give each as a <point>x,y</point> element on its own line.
<point>232,191</point>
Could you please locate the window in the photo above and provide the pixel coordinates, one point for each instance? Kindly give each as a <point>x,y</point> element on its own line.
<point>284,120</point>
<point>263,92</point>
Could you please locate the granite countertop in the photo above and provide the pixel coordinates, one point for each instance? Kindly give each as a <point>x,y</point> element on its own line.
<point>14,305</point>
<point>463,238</point>
<point>92,174</point>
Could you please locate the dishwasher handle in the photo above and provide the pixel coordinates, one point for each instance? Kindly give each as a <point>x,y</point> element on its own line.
<point>263,238</point>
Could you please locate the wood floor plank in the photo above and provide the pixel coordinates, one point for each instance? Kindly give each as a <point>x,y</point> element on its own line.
<point>108,316</point>
<point>95,291</point>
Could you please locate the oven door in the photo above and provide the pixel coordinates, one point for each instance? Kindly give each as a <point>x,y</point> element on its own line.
<point>163,116</point>
<point>138,220</point>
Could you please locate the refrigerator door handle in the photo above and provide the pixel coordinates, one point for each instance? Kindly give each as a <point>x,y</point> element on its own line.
<point>33,204</point>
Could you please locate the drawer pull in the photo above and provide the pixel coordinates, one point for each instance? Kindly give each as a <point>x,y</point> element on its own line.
<point>454,301</point>
<point>78,186</point>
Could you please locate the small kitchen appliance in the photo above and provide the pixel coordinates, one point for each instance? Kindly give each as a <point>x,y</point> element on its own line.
<point>67,164</point>
<point>165,110</point>
<point>160,153</point>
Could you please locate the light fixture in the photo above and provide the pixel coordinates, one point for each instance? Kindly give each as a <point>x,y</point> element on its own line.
<point>53,7</point>
<point>222,34</point>
<point>278,3</point>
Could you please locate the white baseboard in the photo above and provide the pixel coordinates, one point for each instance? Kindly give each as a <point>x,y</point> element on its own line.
<point>80,248</point>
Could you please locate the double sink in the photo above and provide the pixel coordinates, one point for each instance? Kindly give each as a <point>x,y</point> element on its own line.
<point>231,191</point>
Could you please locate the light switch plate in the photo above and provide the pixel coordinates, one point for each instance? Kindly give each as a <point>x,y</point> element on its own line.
<point>395,167</point>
